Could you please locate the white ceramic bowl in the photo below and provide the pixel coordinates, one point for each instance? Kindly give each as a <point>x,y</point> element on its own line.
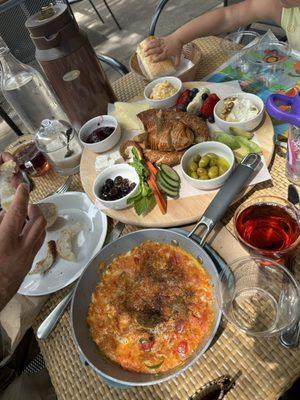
<point>169,101</point>
<point>203,148</point>
<point>106,144</point>
<point>124,170</point>
<point>248,125</point>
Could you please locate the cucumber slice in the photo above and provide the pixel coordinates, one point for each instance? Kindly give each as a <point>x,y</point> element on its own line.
<point>165,184</point>
<point>170,172</point>
<point>166,189</point>
<point>167,180</point>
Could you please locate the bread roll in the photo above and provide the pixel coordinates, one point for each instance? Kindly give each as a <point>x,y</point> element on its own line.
<point>7,191</point>
<point>49,211</point>
<point>154,69</point>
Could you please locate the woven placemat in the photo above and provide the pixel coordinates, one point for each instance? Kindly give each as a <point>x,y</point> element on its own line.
<point>267,369</point>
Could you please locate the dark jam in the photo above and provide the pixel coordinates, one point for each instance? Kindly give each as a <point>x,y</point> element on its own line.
<point>268,227</point>
<point>99,134</point>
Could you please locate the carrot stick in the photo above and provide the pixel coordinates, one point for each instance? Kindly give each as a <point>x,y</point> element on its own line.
<point>151,168</point>
<point>159,198</point>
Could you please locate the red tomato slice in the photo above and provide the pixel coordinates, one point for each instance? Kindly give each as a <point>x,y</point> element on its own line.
<point>146,345</point>
<point>182,348</point>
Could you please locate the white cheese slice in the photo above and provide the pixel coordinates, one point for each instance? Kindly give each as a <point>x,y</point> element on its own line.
<point>107,160</point>
<point>126,115</point>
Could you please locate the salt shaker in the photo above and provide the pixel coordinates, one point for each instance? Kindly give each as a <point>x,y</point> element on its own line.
<point>58,141</point>
<point>291,116</point>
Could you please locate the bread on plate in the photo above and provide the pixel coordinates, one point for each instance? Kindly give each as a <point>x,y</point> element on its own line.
<point>154,69</point>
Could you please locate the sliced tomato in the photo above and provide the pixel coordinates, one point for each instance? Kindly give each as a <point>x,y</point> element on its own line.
<point>182,348</point>
<point>146,345</point>
<point>179,325</point>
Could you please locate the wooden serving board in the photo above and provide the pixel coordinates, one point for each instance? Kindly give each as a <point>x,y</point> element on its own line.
<point>180,211</point>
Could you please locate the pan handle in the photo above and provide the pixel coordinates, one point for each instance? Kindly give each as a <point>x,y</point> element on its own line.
<point>226,194</point>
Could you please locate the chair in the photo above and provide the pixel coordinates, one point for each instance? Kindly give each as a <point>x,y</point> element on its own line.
<point>14,13</point>
<point>71,2</point>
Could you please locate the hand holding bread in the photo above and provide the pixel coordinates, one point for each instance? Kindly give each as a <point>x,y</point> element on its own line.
<point>154,66</point>
<point>160,49</point>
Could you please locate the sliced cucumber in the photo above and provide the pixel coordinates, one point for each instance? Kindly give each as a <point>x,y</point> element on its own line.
<point>165,184</point>
<point>170,172</point>
<point>166,189</point>
<point>168,181</point>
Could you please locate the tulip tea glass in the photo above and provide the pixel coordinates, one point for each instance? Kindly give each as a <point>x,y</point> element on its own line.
<point>259,296</point>
<point>268,226</point>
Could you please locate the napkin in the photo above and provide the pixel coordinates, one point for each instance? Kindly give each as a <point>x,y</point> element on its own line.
<point>15,319</point>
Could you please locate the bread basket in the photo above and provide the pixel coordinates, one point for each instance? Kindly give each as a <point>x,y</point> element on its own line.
<point>190,51</point>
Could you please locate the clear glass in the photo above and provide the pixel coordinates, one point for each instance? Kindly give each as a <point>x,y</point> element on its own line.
<point>293,155</point>
<point>58,141</point>
<point>235,45</point>
<point>266,61</point>
<point>259,296</point>
<point>284,255</point>
<point>27,92</point>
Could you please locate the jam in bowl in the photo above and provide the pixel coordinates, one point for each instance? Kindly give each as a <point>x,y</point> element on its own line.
<point>100,134</point>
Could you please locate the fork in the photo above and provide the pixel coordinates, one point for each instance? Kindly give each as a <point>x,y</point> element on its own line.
<point>63,188</point>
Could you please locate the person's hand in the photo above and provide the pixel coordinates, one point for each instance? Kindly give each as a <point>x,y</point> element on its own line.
<point>16,179</point>
<point>162,48</point>
<point>22,232</point>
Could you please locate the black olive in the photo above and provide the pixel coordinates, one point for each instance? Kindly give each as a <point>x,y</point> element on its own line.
<point>199,114</point>
<point>195,91</point>
<point>211,119</point>
<point>118,180</point>
<point>126,182</point>
<point>113,192</point>
<point>109,183</point>
<point>204,96</point>
<point>132,186</point>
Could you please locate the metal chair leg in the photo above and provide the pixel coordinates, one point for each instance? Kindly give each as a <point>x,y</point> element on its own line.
<point>112,14</point>
<point>10,122</point>
<point>96,11</point>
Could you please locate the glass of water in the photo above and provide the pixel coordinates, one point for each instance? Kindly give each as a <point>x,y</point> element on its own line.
<point>259,296</point>
<point>235,45</point>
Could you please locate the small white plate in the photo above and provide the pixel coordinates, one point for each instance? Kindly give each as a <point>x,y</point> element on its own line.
<point>72,207</point>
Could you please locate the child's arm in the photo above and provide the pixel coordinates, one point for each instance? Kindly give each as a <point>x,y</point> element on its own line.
<point>220,20</point>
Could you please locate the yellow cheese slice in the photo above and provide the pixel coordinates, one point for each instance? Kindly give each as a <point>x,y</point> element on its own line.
<point>126,115</point>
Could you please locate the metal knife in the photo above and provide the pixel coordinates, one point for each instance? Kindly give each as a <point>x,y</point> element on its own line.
<point>290,337</point>
<point>49,323</point>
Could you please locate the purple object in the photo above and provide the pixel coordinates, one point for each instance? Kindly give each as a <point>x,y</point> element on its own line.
<point>293,116</point>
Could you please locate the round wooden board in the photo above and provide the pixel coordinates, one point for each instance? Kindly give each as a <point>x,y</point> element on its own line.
<point>180,211</point>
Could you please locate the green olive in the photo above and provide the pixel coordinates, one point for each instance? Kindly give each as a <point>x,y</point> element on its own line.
<point>194,175</point>
<point>192,166</point>
<point>203,177</point>
<point>213,162</point>
<point>213,172</point>
<point>223,163</point>
<point>196,158</point>
<point>201,171</point>
<point>212,155</point>
<point>204,161</point>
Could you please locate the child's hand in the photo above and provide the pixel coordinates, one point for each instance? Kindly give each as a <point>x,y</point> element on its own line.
<point>165,47</point>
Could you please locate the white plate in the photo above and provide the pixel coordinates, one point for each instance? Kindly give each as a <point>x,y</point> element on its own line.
<point>72,207</point>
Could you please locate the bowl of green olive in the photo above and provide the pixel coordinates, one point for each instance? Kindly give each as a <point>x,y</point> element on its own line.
<point>207,165</point>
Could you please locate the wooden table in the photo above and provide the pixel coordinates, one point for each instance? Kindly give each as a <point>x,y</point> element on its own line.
<point>266,369</point>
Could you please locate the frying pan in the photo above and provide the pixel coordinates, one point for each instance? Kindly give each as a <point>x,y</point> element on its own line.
<point>88,350</point>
